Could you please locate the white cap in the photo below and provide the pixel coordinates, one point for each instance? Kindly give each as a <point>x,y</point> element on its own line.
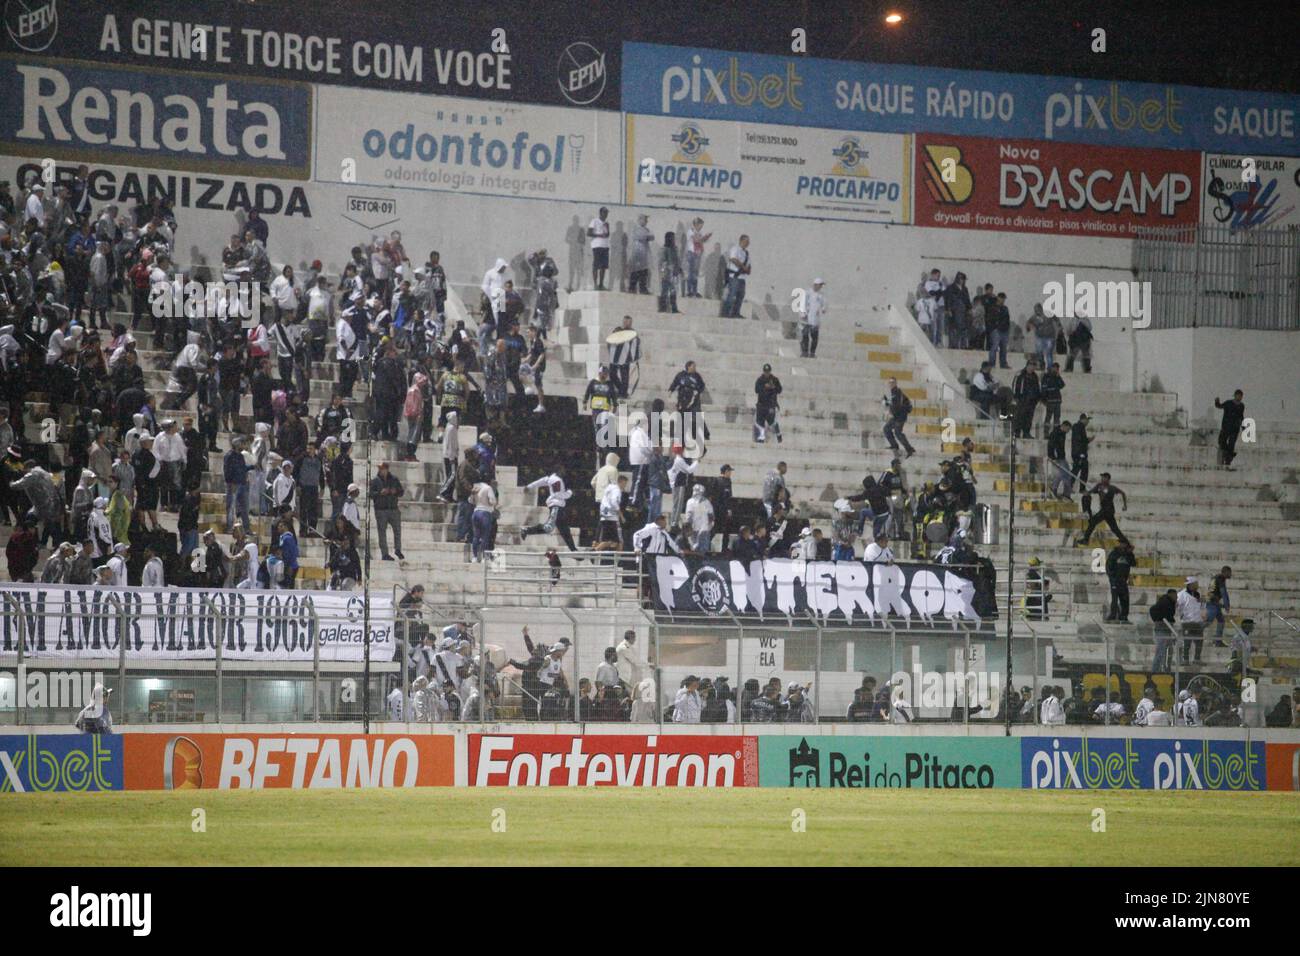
<point>806,532</point>
<point>353,487</point>
<point>819,281</point>
<point>1191,580</point>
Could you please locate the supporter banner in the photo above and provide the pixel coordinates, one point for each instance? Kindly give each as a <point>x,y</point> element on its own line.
<point>296,761</point>
<point>1062,188</point>
<point>893,98</point>
<point>41,763</point>
<point>617,760</point>
<point>532,54</point>
<point>788,171</point>
<point>173,624</point>
<point>457,145</point>
<point>780,587</point>
<point>1283,766</point>
<point>1251,192</point>
<point>91,113</point>
<point>1136,763</point>
<point>943,763</point>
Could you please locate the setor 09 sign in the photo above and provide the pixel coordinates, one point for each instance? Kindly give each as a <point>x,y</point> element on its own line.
<point>596,760</point>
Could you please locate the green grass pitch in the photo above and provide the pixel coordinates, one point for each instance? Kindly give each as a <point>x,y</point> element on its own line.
<point>609,826</point>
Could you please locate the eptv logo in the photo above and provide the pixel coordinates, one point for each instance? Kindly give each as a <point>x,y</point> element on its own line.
<point>74,909</point>
<point>730,86</point>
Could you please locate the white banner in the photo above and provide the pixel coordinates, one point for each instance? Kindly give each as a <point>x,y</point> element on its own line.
<point>175,624</point>
<point>367,139</point>
<point>777,170</point>
<point>1251,192</point>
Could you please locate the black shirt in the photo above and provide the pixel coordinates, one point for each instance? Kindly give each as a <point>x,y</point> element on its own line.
<point>1106,497</point>
<point>1079,439</point>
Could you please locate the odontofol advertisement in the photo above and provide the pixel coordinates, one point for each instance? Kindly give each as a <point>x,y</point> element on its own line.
<point>1046,187</point>
<point>287,761</point>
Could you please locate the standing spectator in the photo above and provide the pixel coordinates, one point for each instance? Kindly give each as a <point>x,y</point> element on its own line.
<point>347,349</point>
<point>1044,328</point>
<point>152,576</point>
<point>639,259</point>
<point>1162,613</point>
<point>450,456</point>
<point>1190,611</point>
<point>767,388</point>
<point>413,412</point>
<point>234,469</point>
<point>170,451</point>
<point>898,407</point>
<point>598,232</point>
<point>1025,390</point>
<point>556,500</point>
<point>679,476</point>
<point>187,522</point>
<point>1218,604</point>
<point>1119,563</point>
<point>283,490</point>
<point>1105,493</point>
<point>484,517</point>
<point>1062,484</point>
<point>1234,413</point>
<point>957,306</point>
<point>1049,392</point>
<point>288,553</point>
<point>1079,441</point>
<point>810,319</point>
<point>385,490</point>
<point>929,307</point>
<point>687,706</point>
<point>670,273</point>
<point>311,474</point>
<point>22,552</point>
<point>284,299</point>
<point>1080,344</point>
<point>389,393</point>
<point>737,266</point>
<point>689,386</point>
<point>700,518</point>
<point>147,481</point>
<point>56,566</point>
<point>774,489</point>
<point>997,326</point>
<point>696,237</point>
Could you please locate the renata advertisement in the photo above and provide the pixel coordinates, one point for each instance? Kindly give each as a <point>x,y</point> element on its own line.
<point>286,761</point>
<point>1047,187</point>
<point>564,760</point>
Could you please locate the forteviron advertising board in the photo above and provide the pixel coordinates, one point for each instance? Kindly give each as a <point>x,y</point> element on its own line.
<point>785,171</point>
<point>877,762</point>
<point>1061,188</point>
<point>616,760</point>
<point>42,763</point>
<point>1251,192</point>
<point>686,82</point>
<point>265,626</point>
<point>88,112</point>
<point>526,57</point>
<point>287,761</point>
<point>456,145</point>
<point>1135,763</point>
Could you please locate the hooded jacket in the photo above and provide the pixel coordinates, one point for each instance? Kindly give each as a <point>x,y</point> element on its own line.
<point>607,474</point>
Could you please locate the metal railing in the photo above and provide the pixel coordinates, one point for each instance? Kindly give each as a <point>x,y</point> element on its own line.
<point>1220,276</point>
<point>595,578</point>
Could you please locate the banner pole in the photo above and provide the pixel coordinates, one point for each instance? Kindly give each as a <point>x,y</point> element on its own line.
<point>1011,577</point>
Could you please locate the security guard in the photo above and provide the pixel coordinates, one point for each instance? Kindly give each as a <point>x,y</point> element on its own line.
<point>600,397</point>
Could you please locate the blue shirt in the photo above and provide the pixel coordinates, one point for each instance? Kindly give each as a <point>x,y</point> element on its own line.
<point>289,551</point>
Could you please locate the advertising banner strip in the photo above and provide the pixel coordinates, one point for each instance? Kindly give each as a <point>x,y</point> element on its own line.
<point>862,762</point>
<point>893,98</point>
<point>1060,188</point>
<point>532,55</point>
<point>1134,763</point>
<point>295,761</point>
<point>1283,766</point>
<point>466,146</point>
<point>92,113</point>
<point>1251,192</point>
<point>781,587</point>
<point>48,762</point>
<point>772,170</point>
<point>564,760</point>
<point>174,624</point>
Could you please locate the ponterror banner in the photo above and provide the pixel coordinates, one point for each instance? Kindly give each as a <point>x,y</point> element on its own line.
<point>615,760</point>
<point>1048,187</point>
<point>292,761</point>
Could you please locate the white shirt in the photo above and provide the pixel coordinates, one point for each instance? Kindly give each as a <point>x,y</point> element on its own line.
<point>282,489</point>
<point>169,447</point>
<point>983,382</point>
<point>396,703</point>
<point>687,707</point>
<point>607,674</point>
<point>1142,711</point>
<point>549,671</point>
<point>55,350</point>
<point>284,292</point>
<point>699,512</point>
<point>152,575</point>
<point>35,209</point>
<point>814,308</point>
<point>318,304</point>
<point>1051,712</point>
<point>875,552</point>
<point>191,357</point>
<point>451,444</point>
<point>630,665</point>
<point>610,503</point>
<point>351,513</point>
<point>740,255</point>
<point>900,712</point>
<point>485,499</point>
<point>601,229</point>
<point>558,496</point>
<point>639,446</point>
<point>1190,715</point>
<point>680,467</point>
<point>1114,708</point>
<point>347,340</point>
<point>653,539</point>
<point>119,570</point>
<point>494,282</point>
<point>1189,607</point>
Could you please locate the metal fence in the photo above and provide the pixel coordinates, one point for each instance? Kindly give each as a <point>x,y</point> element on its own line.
<point>1218,276</point>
